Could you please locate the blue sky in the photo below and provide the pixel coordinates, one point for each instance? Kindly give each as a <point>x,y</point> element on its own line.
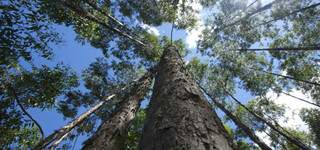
<point>79,56</point>
<point>75,55</point>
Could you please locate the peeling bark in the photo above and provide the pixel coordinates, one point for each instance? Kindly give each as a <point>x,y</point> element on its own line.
<point>112,133</point>
<point>179,117</point>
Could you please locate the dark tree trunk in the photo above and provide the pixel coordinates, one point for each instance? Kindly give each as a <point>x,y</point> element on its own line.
<point>179,117</point>
<point>112,133</point>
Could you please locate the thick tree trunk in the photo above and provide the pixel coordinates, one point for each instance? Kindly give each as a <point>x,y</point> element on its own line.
<point>112,133</point>
<point>179,117</point>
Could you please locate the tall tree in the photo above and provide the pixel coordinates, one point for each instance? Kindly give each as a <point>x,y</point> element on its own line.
<point>113,132</point>
<point>178,116</point>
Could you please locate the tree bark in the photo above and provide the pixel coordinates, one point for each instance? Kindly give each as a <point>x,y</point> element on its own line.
<point>179,117</point>
<point>112,133</point>
<point>57,136</point>
<point>63,132</point>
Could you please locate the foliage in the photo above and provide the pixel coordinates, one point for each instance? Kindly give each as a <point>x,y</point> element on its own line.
<point>236,26</point>
<point>25,34</point>
<point>157,12</point>
<point>135,130</point>
<point>39,88</point>
<point>231,28</point>
<point>311,117</point>
<point>24,30</point>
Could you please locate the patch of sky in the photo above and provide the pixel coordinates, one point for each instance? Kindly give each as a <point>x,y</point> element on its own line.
<point>78,57</point>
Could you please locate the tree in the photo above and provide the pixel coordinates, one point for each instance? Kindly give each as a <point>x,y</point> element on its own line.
<point>112,133</point>
<point>179,115</point>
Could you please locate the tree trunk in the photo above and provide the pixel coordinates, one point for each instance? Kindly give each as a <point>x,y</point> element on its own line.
<point>238,122</point>
<point>112,133</point>
<point>179,117</point>
<point>57,136</point>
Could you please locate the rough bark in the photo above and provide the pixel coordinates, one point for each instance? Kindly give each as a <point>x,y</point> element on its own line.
<point>179,117</point>
<point>63,132</point>
<point>112,133</point>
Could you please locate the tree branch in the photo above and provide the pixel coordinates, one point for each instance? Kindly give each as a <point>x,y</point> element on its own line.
<point>268,6</point>
<point>310,48</point>
<point>94,6</point>
<point>289,14</point>
<point>286,77</point>
<point>238,122</point>
<point>293,140</point>
<point>89,16</point>
<point>30,117</point>
<point>301,99</point>
<point>57,136</point>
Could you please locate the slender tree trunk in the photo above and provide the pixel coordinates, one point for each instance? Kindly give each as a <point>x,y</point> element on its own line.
<point>287,49</point>
<point>112,133</point>
<point>57,136</point>
<point>290,138</point>
<point>238,122</point>
<point>179,117</point>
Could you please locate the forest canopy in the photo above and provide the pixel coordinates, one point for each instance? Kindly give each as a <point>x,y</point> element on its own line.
<point>254,64</point>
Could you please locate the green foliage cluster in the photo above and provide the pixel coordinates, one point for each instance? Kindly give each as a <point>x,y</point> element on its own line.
<point>230,25</point>
<point>26,33</point>
<point>24,30</point>
<point>135,130</point>
<point>237,26</point>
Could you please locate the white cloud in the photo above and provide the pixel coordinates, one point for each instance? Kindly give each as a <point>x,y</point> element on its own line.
<point>186,62</point>
<point>264,2</point>
<point>264,137</point>
<point>151,29</point>
<point>194,35</point>
<point>293,108</point>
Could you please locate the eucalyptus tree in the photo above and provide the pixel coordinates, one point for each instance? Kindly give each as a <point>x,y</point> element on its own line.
<point>279,31</point>
<point>179,115</point>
